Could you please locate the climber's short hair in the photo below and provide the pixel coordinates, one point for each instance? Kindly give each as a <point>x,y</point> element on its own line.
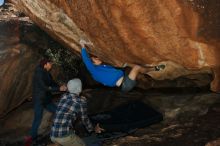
<point>44,61</point>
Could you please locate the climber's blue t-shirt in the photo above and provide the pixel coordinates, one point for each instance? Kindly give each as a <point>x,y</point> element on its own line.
<point>105,74</point>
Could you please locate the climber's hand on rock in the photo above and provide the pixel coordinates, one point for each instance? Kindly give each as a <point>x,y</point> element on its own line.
<point>83,43</point>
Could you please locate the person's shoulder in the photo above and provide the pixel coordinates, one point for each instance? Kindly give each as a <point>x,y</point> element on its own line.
<point>71,97</point>
<point>67,98</point>
<point>39,69</point>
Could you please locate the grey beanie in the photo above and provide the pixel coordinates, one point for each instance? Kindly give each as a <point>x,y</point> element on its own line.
<point>74,86</point>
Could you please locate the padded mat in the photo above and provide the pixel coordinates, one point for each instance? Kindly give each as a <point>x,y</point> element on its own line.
<point>122,121</point>
<point>135,114</point>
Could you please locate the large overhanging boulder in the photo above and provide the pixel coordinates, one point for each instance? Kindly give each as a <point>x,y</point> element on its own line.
<point>179,33</point>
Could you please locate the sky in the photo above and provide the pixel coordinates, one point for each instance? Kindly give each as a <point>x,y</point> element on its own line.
<point>1,2</point>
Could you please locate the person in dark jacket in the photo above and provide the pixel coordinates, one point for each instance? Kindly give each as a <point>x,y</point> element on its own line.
<point>43,85</point>
<point>111,76</point>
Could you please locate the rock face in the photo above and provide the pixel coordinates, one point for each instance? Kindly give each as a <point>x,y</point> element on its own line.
<point>20,45</point>
<point>144,32</point>
<point>17,61</point>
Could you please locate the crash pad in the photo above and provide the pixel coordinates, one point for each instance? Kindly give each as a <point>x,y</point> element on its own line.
<point>135,114</point>
<point>122,121</point>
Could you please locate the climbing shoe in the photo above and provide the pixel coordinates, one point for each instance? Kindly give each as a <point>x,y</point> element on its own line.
<point>28,140</point>
<point>159,67</point>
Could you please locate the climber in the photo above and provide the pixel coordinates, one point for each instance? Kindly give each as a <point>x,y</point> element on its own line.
<point>109,75</point>
<point>43,85</point>
<point>70,108</point>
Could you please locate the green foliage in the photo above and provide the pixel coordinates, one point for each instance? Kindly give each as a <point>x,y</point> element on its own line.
<point>68,61</point>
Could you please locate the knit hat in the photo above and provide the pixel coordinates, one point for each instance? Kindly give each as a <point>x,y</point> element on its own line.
<point>74,86</point>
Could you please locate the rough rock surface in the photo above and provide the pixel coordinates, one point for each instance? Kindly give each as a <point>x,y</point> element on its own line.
<point>214,143</point>
<point>20,45</point>
<point>183,34</point>
<point>179,32</point>
<point>17,61</point>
